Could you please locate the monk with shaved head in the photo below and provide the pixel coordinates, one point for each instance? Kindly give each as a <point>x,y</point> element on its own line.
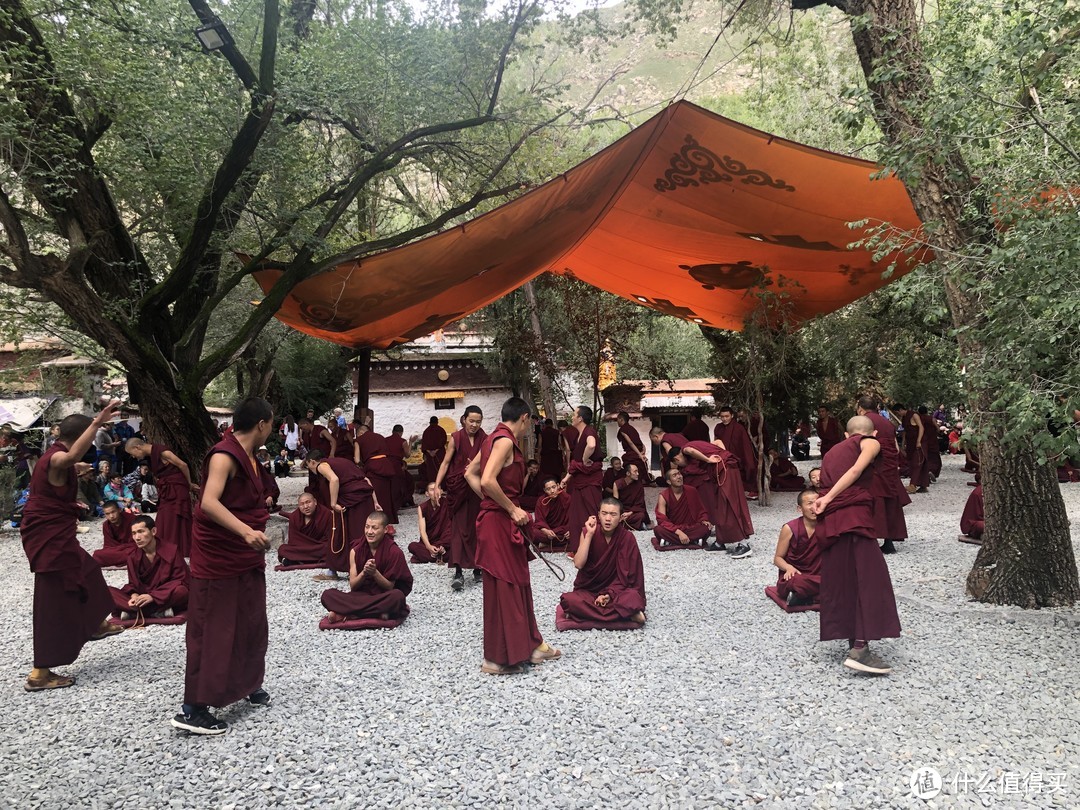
<point>857,601</point>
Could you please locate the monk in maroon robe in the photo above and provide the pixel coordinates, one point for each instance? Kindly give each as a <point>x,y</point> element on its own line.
<point>117,534</point>
<point>630,492</point>
<point>632,445</point>
<point>666,442</point>
<point>434,521</point>
<point>550,452</point>
<point>433,448</point>
<point>172,477</point>
<point>584,475</point>
<point>397,449</point>
<point>798,557</point>
<point>695,429</point>
<point>511,636</point>
<point>550,523</point>
<point>915,448</point>
<point>783,474</point>
<point>714,473</point>
<point>857,601</point>
<point>71,600</point>
<point>890,496</point>
<point>828,431</point>
<point>567,442</point>
<point>533,488</point>
<point>610,584</point>
<point>270,486</point>
<point>310,533</point>
<point>227,630</point>
<point>350,496</point>
<point>463,447</point>
<point>381,470</point>
<point>379,577</point>
<point>612,474</point>
<point>972,522</point>
<point>681,517</point>
<point>931,445</point>
<point>737,441</point>
<point>158,578</point>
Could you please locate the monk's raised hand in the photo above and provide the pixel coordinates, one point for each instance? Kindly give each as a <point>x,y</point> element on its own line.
<point>107,412</point>
<point>590,525</point>
<point>82,467</point>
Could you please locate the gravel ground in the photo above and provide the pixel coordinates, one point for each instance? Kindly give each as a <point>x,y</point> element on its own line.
<point>721,701</point>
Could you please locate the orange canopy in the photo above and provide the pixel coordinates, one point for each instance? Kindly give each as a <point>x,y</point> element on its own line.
<point>685,214</point>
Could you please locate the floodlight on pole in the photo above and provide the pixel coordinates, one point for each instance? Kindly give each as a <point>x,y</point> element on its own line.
<point>213,36</point>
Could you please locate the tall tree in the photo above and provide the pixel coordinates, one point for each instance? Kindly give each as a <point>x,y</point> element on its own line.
<point>134,166</point>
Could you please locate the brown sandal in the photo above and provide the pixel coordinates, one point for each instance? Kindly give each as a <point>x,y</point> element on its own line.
<point>113,629</point>
<point>491,668</point>
<point>52,681</point>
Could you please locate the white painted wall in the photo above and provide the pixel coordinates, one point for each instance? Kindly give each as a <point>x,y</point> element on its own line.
<point>413,412</point>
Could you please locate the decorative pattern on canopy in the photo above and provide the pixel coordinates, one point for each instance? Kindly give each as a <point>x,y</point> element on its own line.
<point>688,214</point>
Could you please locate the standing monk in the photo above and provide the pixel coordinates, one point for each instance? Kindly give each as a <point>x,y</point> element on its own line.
<point>173,480</point>
<point>695,429</point>
<point>71,599</point>
<point>227,631</point>
<point>381,470</point>
<point>714,473</point>
<point>857,601</point>
<point>397,450</point>
<point>433,446</point>
<point>666,442</point>
<point>737,441</point>
<point>828,430</point>
<point>349,495</point>
<point>567,441</point>
<point>890,497</point>
<point>511,636</point>
<point>915,447</point>
<point>463,447</point>
<point>633,447</point>
<point>550,453</point>
<point>931,447</point>
<point>584,477</point>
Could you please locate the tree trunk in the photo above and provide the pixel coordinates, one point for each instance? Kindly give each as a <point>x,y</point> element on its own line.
<point>1028,557</point>
<point>176,418</point>
<point>363,378</point>
<point>546,394</point>
<point>1021,561</point>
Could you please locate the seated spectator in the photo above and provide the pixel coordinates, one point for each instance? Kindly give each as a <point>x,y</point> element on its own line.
<point>611,475</point>
<point>104,473</point>
<point>972,522</point>
<point>282,465</point>
<point>783,475</point>
<point>116,491</point>
<point>148,496</point>
<point>379,577</point>
<point>800,445</point>
<point>90,499</point>
<point>117,542</point>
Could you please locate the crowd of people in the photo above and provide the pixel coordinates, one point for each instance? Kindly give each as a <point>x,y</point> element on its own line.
<point>488,509</point>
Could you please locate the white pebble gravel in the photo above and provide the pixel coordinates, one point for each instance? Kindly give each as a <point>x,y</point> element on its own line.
<point>721,701</point>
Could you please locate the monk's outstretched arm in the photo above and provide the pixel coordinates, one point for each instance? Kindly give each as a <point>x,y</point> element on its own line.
<point>61,461</point>
<point>335,484</point>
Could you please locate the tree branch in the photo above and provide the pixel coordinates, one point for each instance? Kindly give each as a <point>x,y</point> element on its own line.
<point>231,53</point>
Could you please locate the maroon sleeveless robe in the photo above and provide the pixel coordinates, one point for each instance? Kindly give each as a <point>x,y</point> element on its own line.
<point>585,485</point>
<point>355,495</point>
<point>464,502</point>
<point>368,600</point>
<point>173,518</point>
<point>803,553</point>
<point>615,568</point>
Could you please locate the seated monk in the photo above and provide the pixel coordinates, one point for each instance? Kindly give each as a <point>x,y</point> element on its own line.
<point>612,474</point>
<point>815,477</point>
<point>533,488</point>
<point>379,577</point>
<point>158,576</point>
<point>681,517</point>
<point>972,522</point>
<point>784,475</point>
<point>117,531</point>
<point>310,529</point>
<point>610,585</point>
<point>798,556</point>
<point>435,523</point>
<point>551,523</point>
<point>630,492</point>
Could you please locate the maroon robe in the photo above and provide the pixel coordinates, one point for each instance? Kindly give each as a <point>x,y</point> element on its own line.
<point>437,524</point>
<point>784,476</point>
<point>270,485</point>
<point>118,543</point>
<point>368,600</point>
<point>931,446</point>
<point>433,448</point>
<point>570,436</point>
<point>828,431</point>
<point>890,496</point>
<point>696,430</point>
<point>553,514</point>
<point>615,568</point>
<point>721,490</point>
<point>631,442</point>
<point>686,514</point>
<point>632,497</point>
<point>309,538</point>
<point>463,501</point>
<point>355,495</point>
<point>346,440</point>
<point>672,441</point>
<point>531,492</point>
<point>71,599</point>
<point>611,475</point>
<point>227,631</point>
<point>857,601</point>
<point>380,469</point>
<point>585,485</point>
<point>166,580</point>
<point>916,452</point>
<point>737,441</point>
<point>173,518</point>
<point>397,450</point>
<point>510,631</point>
<point>551,458</point>
<point>803,553</point>
<point>972,522</point>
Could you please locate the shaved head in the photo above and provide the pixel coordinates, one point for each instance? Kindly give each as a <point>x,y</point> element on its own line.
<point>861,425</point>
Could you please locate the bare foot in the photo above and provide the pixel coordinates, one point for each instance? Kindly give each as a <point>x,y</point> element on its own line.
<point>638,617</point>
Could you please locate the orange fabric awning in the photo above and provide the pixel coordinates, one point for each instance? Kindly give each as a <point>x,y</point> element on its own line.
<point>685,214</point>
